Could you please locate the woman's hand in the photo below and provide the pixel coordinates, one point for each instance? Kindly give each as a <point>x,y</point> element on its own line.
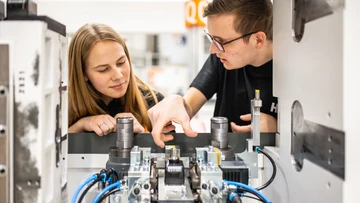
<point>138,128</point>
<point>101,125</point>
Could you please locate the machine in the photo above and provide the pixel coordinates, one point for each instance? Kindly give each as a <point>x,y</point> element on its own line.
<point>213,167</point>
<point>33,103</point>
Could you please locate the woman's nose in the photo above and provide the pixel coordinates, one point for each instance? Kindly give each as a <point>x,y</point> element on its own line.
<point>116,73</point>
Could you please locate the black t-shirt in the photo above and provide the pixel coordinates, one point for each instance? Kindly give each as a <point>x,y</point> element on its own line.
<point>115,106</point>
<point>236,88</point>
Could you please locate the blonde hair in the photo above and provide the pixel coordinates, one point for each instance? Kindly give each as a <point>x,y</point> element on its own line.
<point>83,97</point>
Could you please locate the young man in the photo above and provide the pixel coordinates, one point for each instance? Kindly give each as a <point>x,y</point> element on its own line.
<point>240,32</point>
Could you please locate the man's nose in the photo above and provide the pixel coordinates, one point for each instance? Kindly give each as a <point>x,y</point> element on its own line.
<point>213,49</point>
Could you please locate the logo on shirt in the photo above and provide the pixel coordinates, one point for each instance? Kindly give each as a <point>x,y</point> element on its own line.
<point>273,107</point>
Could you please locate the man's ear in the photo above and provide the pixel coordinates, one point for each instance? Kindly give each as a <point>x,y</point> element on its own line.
<point>260,39</point>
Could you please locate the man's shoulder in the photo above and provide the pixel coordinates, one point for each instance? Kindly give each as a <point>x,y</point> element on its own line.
<point>149,97</point>
<point>268,64</point>
<point>214,60</point>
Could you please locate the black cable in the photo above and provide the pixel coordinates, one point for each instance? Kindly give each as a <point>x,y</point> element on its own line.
<point>108,194</point>
<point>254,193</point>
<point>251,197</point>
<point>116,175</point>
<point>236,199</point>
<point>102,171</point>
<point>273,174</point>
<point>88,188</point>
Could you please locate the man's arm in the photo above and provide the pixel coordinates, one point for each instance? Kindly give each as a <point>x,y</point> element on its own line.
<point>175,108</point>
<point>194,100</point>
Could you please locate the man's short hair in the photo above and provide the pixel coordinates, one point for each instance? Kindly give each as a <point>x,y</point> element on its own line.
<point>251,15</point>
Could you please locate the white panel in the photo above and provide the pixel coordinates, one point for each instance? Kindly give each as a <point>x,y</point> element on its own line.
<point>38,53</point>
<point>351,99</point>
<point>311,72</point>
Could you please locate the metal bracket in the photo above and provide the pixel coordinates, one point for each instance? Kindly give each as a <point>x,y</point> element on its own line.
<point>58,139</point>
<point>319,144</point>
<point>33,183</point>
<point>305,11</point>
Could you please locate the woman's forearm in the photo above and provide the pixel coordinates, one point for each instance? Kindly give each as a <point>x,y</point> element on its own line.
<point>76,127</point>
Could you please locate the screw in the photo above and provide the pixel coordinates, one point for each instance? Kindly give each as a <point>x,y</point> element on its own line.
<point>2,129</point>
<point>204,186</point>
<point>214,190</point>
<point>146,186</point>
<point>2,169</point>
<point>2,90</point>
<point>136,191</point>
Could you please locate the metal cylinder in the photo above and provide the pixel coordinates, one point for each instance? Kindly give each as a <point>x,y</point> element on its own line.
<point>257,94</point>
<point>174,154</point>
<point>125,132</point>
<point>219,132</point>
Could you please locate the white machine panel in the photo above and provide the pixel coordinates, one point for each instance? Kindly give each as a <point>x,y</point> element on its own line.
<point>307,69</point>
<point>39,110</point>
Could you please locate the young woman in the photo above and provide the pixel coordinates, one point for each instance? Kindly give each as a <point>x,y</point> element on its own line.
<point>102,84</point>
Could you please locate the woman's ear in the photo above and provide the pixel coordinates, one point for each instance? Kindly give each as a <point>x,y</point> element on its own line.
<point>86,78</point>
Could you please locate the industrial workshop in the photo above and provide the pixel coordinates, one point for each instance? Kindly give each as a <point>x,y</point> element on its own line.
<point>180,101</point>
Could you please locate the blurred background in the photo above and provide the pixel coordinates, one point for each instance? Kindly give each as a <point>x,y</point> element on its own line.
<point>165,39</point>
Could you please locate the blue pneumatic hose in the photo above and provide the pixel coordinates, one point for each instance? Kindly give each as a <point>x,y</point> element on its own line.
<point>246,187</point>
<point>108,188</point>
<point>92,178</point>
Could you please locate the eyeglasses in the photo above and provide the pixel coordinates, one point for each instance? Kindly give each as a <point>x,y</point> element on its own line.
<point>220,45</point>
